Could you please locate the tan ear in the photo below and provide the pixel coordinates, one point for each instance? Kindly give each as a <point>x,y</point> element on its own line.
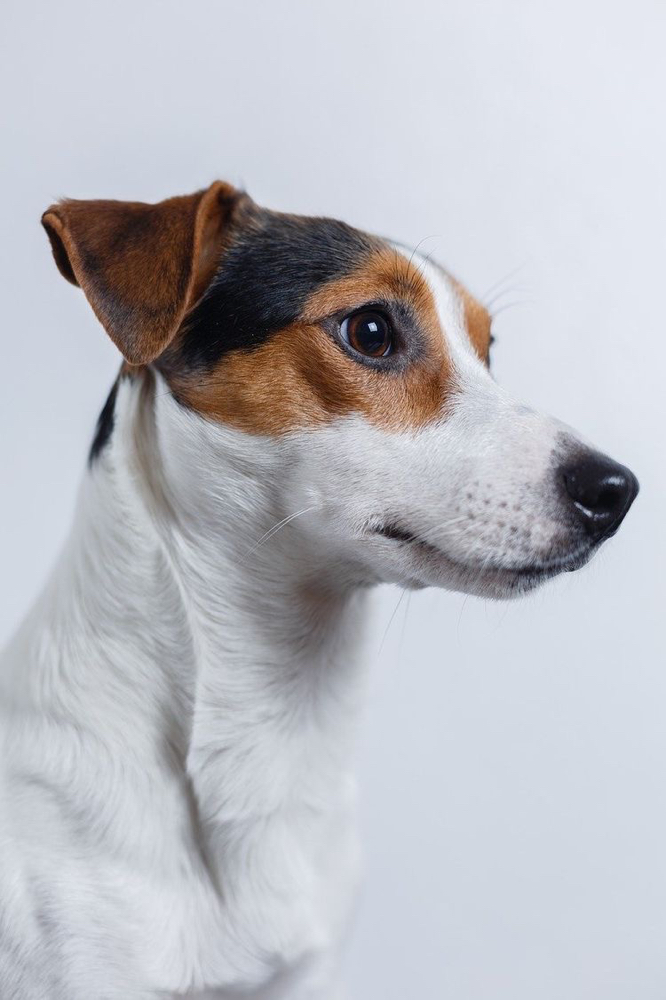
<point>142,267</point>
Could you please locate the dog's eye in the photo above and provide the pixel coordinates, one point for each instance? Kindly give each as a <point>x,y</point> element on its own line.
<point>368,333</point>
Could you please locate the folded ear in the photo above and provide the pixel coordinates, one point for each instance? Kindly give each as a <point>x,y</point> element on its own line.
<point>142,267</point>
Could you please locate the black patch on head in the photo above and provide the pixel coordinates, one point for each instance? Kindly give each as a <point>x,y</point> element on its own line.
<point>105,423</point>
<point>264,280</point>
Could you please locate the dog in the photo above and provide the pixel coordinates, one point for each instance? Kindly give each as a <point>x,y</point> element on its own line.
<point>303,411</point>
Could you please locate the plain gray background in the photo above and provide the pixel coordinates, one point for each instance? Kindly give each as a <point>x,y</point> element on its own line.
<point>514,756</point>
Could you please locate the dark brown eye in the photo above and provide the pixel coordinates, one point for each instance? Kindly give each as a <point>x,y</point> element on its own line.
<point>368,333</point>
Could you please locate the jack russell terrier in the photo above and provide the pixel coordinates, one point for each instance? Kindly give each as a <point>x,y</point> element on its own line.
<point>303,411</point>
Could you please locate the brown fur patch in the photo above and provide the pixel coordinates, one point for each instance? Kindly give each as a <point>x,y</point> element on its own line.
<point>302,378</point>
<point>141,266</point>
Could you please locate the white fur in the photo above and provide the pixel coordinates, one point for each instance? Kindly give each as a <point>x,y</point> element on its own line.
<point>178,710</point>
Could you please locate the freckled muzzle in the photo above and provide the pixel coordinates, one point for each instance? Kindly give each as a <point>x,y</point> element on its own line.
<point>515,531</point>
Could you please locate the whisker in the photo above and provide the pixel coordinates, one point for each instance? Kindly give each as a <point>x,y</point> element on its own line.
<point>415,250</point>
<point>464,604</point>
<point>404,624</point>
<point>449,522</point>
<point>509,290</point>
<point>501,281</point>
<point>390,622</point>
<point>281,524</point>
<point>419,268</point>
<point>512,305</point>
<point>424,263</point>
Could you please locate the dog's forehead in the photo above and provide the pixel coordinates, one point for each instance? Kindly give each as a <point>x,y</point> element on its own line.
<point>273,265</point>
<point>254,352</point>
<point>465,321</point>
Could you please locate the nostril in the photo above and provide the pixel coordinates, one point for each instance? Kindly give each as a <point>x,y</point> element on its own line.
<point>602,492</point>
<point>608,497</point>
<point>597,494</point>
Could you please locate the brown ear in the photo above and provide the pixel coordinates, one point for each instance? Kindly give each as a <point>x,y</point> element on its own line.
<point>141,266</point>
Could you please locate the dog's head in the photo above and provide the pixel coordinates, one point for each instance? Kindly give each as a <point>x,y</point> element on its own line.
<point>366,366</point>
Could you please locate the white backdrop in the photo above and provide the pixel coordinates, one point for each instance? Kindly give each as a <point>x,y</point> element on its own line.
<point>514,757</point>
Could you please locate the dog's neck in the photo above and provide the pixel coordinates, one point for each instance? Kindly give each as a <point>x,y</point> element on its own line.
<point>239,649</point>
<point>176,641</point>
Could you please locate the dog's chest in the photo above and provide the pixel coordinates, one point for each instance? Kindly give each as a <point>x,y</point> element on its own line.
<point>269,905</point>
<point>168,904</point>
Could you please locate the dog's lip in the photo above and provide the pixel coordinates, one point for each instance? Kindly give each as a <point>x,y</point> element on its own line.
<point>560,564</point>
<point>398,534</point>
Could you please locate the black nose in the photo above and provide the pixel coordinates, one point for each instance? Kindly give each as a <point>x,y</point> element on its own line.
<point>602,492</point>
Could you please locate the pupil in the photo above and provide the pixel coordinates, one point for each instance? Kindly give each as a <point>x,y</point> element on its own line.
<point>371,335</point>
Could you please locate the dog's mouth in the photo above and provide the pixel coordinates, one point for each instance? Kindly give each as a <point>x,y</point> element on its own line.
<point>512,578</point>
<point>398,534</point>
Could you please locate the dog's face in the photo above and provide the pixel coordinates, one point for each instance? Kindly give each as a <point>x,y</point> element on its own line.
<point>367,367</point>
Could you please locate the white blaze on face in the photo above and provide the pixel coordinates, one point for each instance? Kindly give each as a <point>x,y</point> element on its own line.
<point>476,488</point>
<point>468,500</point>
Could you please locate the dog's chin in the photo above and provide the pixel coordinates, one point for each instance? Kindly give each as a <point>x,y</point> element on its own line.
<point>417,564</point>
